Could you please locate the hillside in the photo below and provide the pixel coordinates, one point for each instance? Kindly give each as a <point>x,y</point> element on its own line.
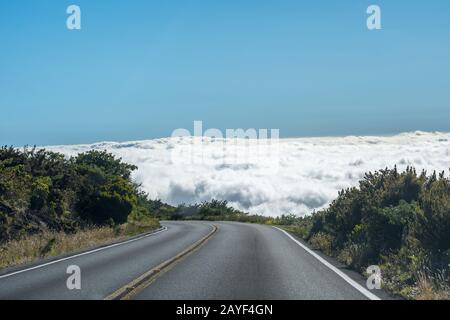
<point>48,198</point>
<point>397,220</point>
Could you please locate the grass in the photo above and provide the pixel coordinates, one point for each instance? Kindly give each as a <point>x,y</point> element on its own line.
<point>428,285</point>
<point>49,244</point>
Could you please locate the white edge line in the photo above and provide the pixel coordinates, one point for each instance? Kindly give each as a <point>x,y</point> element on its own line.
<point>349,280</point>
<point>82,254</point>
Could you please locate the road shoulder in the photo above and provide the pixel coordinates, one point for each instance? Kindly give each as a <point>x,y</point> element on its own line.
<point>352,274</point>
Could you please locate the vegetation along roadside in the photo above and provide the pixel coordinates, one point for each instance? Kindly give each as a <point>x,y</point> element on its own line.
<point>50,205</point>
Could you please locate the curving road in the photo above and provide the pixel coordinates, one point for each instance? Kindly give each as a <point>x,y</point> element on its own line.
<point>240,261</point>
<point>104,271</point>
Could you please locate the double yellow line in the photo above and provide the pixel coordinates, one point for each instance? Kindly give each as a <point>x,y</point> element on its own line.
<point>134,287</point>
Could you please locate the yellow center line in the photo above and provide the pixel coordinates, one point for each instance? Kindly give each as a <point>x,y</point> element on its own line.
<point>134,287</point>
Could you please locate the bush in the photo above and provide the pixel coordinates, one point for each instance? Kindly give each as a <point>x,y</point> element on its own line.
<point>42,190</point>
<point>322,241</point>
<point>400,221</point>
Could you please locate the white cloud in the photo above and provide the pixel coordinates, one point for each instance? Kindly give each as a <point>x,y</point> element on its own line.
<point>293,176</point>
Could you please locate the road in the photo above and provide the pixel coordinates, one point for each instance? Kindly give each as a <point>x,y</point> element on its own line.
<point>240,261</point>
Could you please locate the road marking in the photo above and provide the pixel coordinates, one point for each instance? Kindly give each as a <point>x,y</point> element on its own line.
<point>83,253</point>
<point>349,280</point>
<point>140,283</point>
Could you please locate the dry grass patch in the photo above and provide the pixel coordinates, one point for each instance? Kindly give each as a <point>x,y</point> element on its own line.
<point>50,244</point>
<point>431,287</point>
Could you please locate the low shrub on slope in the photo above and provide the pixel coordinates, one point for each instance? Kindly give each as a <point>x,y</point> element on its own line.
<point>44,193</point>
<point>399,221</point>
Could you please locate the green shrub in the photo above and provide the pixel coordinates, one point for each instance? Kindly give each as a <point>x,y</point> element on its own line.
<point>322,241</point>
<point>400,221</point>
<point>42,190</point>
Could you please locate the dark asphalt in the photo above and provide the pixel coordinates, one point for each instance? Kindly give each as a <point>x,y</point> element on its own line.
<point>104,271</point>
<point>249,261</point>
<point>241,261</point>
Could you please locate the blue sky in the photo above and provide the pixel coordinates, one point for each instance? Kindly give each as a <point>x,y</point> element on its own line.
<point>140,69</point>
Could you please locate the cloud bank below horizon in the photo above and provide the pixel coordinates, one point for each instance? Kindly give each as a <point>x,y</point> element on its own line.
<point>295,175</point>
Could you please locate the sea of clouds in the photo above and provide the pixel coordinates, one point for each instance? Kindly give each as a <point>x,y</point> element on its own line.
<point>269,177</point>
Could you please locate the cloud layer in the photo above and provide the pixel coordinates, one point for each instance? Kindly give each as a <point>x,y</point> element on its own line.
<point>268,177</point>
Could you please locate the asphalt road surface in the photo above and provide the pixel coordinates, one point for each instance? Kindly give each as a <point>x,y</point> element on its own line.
<point>240,261</point>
